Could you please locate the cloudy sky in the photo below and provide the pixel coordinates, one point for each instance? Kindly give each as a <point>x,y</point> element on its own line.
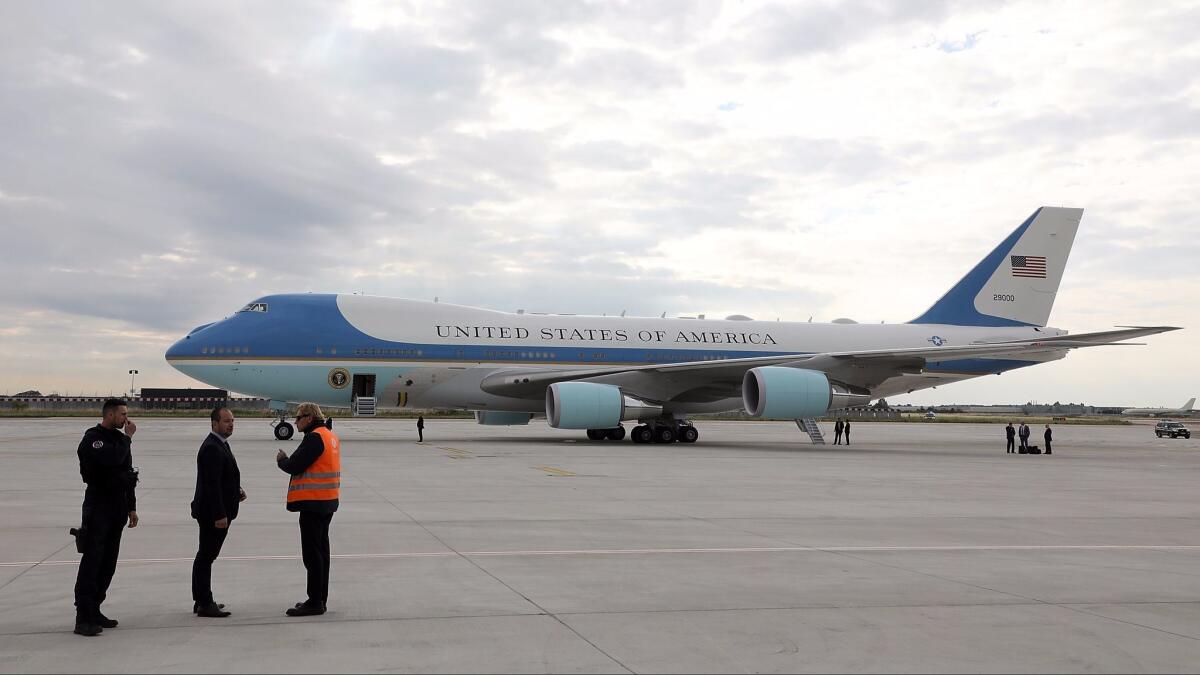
<point>163,163</point>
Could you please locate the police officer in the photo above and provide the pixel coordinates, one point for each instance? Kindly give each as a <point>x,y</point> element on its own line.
<point>313,491</point>
<point>1011,434</point>
<point>1048,435</point>
<point>106,465</point>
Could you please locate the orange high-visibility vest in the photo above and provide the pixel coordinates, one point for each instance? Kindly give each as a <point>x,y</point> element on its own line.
<point>323,480</point>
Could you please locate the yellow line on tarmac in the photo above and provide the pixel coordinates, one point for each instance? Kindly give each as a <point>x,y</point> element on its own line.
<point>456,453</point>
<point>554,471</point>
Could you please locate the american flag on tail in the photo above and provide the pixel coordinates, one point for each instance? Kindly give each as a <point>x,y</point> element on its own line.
<point>1028,266</point>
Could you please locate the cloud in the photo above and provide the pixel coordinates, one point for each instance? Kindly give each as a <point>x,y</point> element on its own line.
<point>163,164</point>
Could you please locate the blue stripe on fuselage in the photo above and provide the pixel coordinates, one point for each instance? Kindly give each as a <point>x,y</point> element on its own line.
<point>296,326</point>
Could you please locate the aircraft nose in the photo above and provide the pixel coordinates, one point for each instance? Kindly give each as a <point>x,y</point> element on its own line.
<point>178,349</point>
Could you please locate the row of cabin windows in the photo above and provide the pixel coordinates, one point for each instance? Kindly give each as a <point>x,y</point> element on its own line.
<point>224,350</point>
<point>381,352</point>
<point>490,354</point>
<point>596,356</point>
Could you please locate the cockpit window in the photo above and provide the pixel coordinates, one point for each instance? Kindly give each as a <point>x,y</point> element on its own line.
<point>254,307</point>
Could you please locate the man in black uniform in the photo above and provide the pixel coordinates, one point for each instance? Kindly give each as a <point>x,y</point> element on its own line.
<point>1048,435</point>
<point>106,465</point>
<point>1011,434</point>
<point>218,494</point>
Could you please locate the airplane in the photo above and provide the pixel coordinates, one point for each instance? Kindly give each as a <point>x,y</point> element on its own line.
<point>594,372</point>
<point>1184,410</point>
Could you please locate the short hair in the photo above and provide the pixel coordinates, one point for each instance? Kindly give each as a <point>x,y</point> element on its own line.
<point>112,404</point>
<point>215,415</point>
<point>313,409</point>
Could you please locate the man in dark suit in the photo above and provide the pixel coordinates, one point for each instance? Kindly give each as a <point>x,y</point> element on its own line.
<point>218,494</point>
<point>1011,434</point>
<point>1048,435</point>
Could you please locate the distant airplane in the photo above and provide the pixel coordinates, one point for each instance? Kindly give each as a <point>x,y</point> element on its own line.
<point>593,373</point>
<point>1185,409</point>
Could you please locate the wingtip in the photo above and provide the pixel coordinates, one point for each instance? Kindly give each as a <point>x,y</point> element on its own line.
<point>1160,329</point>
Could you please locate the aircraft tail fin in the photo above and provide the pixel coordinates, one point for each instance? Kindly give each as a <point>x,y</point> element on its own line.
<point>1015,285</point>
<point>1190,403</point>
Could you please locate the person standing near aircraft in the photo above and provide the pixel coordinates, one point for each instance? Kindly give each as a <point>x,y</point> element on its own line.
<point>313,492</point>
<point>420,428</point>
<point>1048,435</point>
<point>106,465</point>
<point>218,495</point>
<point>1011,434</point>
<point>846,431</point>
<point>837,432</point>
<point>1024,434</point>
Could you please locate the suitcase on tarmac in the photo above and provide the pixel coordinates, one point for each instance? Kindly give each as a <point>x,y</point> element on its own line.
<point>1034,450</point>
<point>1022,451</point>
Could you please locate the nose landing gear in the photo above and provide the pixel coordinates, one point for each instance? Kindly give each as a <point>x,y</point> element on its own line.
<point>283,429</point>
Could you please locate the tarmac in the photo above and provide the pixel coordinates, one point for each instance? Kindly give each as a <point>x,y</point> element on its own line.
<point>920,547</point>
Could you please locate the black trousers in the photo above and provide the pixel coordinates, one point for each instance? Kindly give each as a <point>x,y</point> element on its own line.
<point>1047,446</point>
<point>211,539</point>
<point>102,546</point>
<point>314,543</point>
<point>846,433</point>
<point>837,438</point>
<point>1012,442</point>
<point>421,434</point>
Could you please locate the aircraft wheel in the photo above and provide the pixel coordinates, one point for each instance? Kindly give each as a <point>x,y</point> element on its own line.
<point>643,434</point>
<point>284,431</point>
<point>615,434</point>
<point>688,434</point>
<point>595,434</point>
<point>664,435</point>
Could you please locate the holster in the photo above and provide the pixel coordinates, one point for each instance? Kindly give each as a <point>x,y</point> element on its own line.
<point>80,534</point>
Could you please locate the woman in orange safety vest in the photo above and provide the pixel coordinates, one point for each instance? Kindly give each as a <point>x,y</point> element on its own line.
<point>316,470</point>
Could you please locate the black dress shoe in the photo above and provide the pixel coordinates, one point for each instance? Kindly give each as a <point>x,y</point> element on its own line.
<point>87,628</point>
<point>305,609</point>
<point>212,610</point>
<point>104,621</point>
<point>196,607</point>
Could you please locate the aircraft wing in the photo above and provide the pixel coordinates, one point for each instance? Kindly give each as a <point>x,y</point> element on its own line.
<point>702,381</point>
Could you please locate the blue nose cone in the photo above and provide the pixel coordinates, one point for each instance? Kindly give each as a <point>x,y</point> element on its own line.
<point>179,349</point>
<point>186,346</point>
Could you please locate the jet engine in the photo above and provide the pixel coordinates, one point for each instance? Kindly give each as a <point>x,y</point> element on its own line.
<point>776,392</point>
<point>589,405</point>
<point>502,418</point>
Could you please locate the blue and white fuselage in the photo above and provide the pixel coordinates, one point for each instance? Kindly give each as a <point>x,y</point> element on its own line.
<point>593,372</point>
<point>434,355</point>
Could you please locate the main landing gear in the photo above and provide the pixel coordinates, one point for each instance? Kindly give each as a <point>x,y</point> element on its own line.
<point>657,432</point>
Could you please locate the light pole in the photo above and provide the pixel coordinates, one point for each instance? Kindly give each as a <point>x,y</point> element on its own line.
<point>132,376</point>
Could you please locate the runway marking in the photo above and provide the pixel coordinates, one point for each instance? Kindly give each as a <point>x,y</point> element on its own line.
<point>455,453</point>
<point>643,551</point>
<point>555,471</point>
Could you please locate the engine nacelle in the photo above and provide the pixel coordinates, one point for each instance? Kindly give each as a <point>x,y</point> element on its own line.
<point>590,405</point>
<point>776,392</point>
<point>502,418</point>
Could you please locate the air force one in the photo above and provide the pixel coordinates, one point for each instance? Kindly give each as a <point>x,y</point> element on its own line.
<point>1185,409</point>
<point>595,372</point>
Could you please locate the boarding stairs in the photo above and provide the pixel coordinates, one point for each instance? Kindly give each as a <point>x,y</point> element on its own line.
<point>810,427</point>
<point>364,406</point>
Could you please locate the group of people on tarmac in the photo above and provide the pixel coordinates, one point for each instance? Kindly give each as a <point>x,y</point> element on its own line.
<point>109,505</point>
<point>841,429</point>
<point>1023,433</point>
